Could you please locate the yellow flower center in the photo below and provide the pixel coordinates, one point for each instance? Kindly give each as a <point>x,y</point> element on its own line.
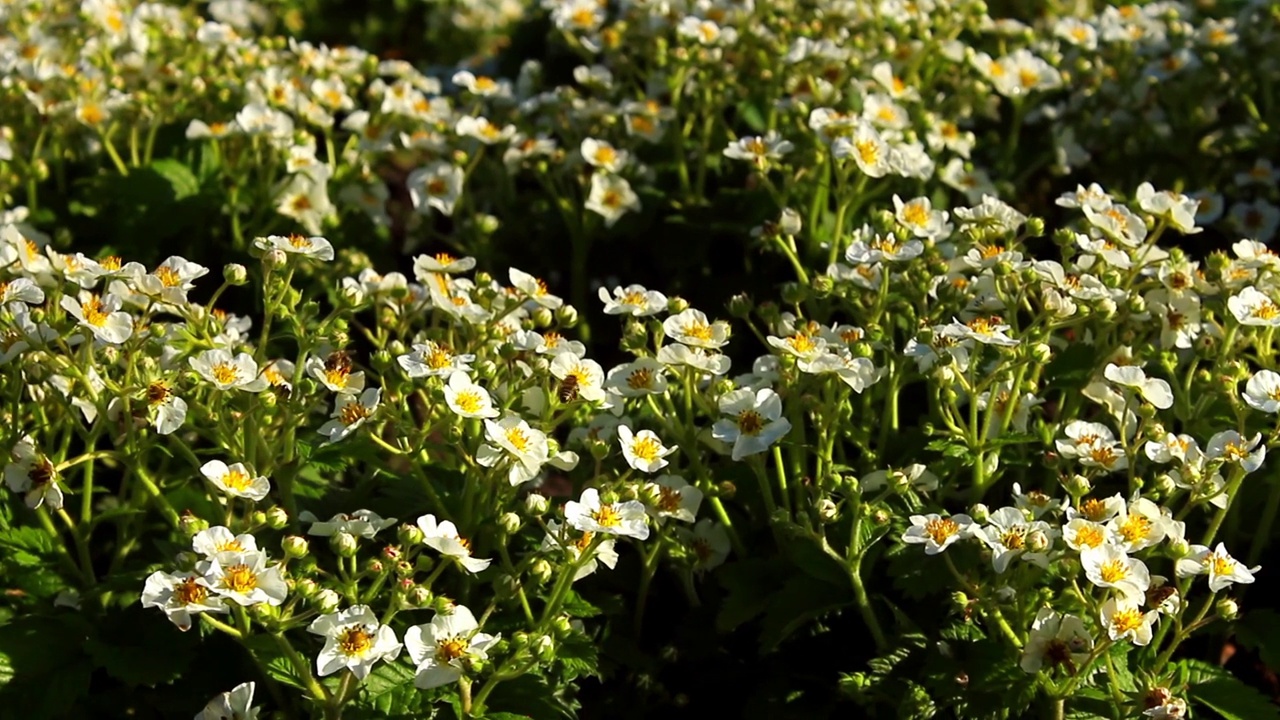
<point>353,413</point>
<point>756,146</point>
<point>239,579</point>
<point>237,480</point>
<point>1127,620</point>
<point>299,203</point>
<point>801,343</point>
<point>518,439</point>
<point>92,113</point>
<point>642,378</point>
<point>1028,78</point>
<point>698,330</point>
<point>1090,536</point>
<point>983,326</point>
<point>605,155</point>
<point>1134,528</point>
<point>1221,565</point>
<point>1104,455</point>
<point>355,641</point>
<point>1014,538</point>
<point>915,214</point>
<point>226,373</point>
<point>451,649</point>
<point>868,151</point>
<point>168,276</point>
<point>299,241</point>
<point>646,448</point>
<point>337,376</point>
<point>939,529</point>
<point>1113,571</point>
<point>189,592</point>
<point>469,401</point>
<point>606,516</point>
<point>668,499</point>
<point>612,199</point>
<point>94,312</point>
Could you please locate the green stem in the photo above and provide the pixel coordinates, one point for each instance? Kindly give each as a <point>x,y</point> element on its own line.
<point>864,605</point>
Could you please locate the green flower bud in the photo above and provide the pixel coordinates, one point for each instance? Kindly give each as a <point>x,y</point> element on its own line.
<point>277,517</point>
<point>326,601</point>
<point>235,274</point>
<point>542,318</point>
<point>1063,237</point>
<point>1035,227</point>
<point>980,513</point>
<point>418,596</point>
<point>306,588</point>
<point>344,544</point>
<point>295,546</point>
<point>510,523</point>
<point>540,571</point>
<point>409,535</point>
<point>677,305</point>
<point>190,524</point>
<point>1041,352</point>
<point>740,305</point>
<point>823,285</point>
<point>536,504</point>
<point>274,258</point>
<point>567,316</point>
<point>1227,609</point>
<point>828,510</point>
<point>562,627</point>
<point>793,293</point>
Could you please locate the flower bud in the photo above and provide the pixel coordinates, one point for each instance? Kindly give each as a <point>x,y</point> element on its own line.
<point>409,535</point>
<point>326,601</point>
<point>519,640</point>
<point>542,318</point>
<point>274,258</point>
<point>823,285</point>
<point>1227,609</point>
<point>344,544</point>
<point>1165,484</point>
<point>566,316</point>
<point>265,611</point>
<point>295,546</point>
<point>1179,547</point>
<point>793,293</point>
<point>277,518</point>
<point>1037,541</point>
<point>677,305</point>
<point>1035,227</point>
<point>789,222</point>
<point>306,588</point>
<point>740,305</point>
<point>418,596</point>
<point>487,224</point>
<point>562,627</point>
<point>257,518</point>
<point>424,563</point>
<point>190,524</point>
<point>235,274</point>
<point>959,601</point>
<point>540,571</point>
<point>536,504</point>
<point>980,513</point>
<point>1077,485</point>
<point>544,648</point>
<point>510,523</point>
<point>1041,352</point>
<point>828,511</point>
<point>375,566</point>
<point>443,604</point>
<point>404,568</point>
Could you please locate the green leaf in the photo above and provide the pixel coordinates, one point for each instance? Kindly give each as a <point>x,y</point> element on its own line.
<point>1120,667</point>
<point>530,696</point>
<point>137,647</point>
<point>268,653</point>
<point>748,584</point>
<point>577,606</point>
<point>43,672</point>
<point>182,182</point>
<point>799,601</point>
<point>1233,699</point>
<point>807,555</point>
<point>1260,630</point>
<point>1071,369</point>
<point>577,656</point>
<point>389,690</point>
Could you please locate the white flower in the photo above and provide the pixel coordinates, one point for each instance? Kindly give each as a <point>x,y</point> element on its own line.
<point>1110,567</point>
<point>915,476</point>
<point>244,578</point>
<point>1153,390</point>
<point>868,149</point>
<point>1007,535</point>
<point>632,300</point>
<point>444,538</point>
<point>589,514</point>
<point>180,596</point>
<point>1093,444</point>
<point>483,130</point>
<point>219,539</point>
<point>1081,534</point>
<point>437,185</point>
<point>1034,502</point>
<point>443,648</point>
<point>426,265</point>
<point>676,498</point>
<point>21,289</point>
<point>919,217</point>
<point>467,398</point>
<point>524,449</point>
<point>1233,448</point>
<point>101,315</point>
<point>709,542</point>
<point>334,372</point>
<point>1118,222</point>
<point>605,552</point>
<point>584,377</point>
<point>937,533</point>
<point>1139,525</point>
<point>1262,392</point>
<point>349,413</point>
<point>754,424</point>
<point>353,639</point>
<point>644,450</point>
<point>312,246</point>
<point>645,376</point>
<point>695,357</point>
<point>611,197</point>
<point>603,155</point>
<point>759,150</point>
<point>1057,638</point>
<point>431,359</point>
<point>1223,569</point>
<point>361,523</point>
<point>168,410</point>
<point>235,480</point>
<point>534,289</point>
<point>1252,307</point>
<point>692,328</point>
<point>228,372</point>
<point>34,475</point>
<point>1177,208</point>
<point>1124,620</point>
<point>235,704</point>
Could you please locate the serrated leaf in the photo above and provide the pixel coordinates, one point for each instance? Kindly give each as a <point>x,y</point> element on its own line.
<point>182,182</point>
<point>137,647</point>
<point>389,690</point>
<point>799,601</point>
<point>577,606</point>
<point>577,656</point>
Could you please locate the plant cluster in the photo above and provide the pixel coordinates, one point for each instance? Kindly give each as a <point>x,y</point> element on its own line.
<point>387,473</point>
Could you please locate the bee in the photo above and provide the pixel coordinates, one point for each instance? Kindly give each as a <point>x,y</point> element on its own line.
<point>338,362</point>
<point>157,392</point>
<point>568,391</point>
<point>42,473</point>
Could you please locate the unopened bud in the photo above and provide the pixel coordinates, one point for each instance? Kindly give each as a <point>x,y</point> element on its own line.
<point>306,588</point>
<point>677,305</point>
<point>1041,352</point>
<point>536,504</point>
<point>190,524</point>
<point>1035,227</point>
<point>540,571</point>
<point>542,318</point>
<point>740,305</point>
<point>235,274</point>
<point>326,601</point>
<point>1078,485</point>
<point>418,596</point>
<point>510,523</point>
<point>828,511</point>
<point>566,316</point>
<point>980,513</point>
<point>274,258</point>
<point>277,518</point>
<point>1037,541</point>
<point>1227,608</point>
<point>344,544</point>
<point>295,546</point>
